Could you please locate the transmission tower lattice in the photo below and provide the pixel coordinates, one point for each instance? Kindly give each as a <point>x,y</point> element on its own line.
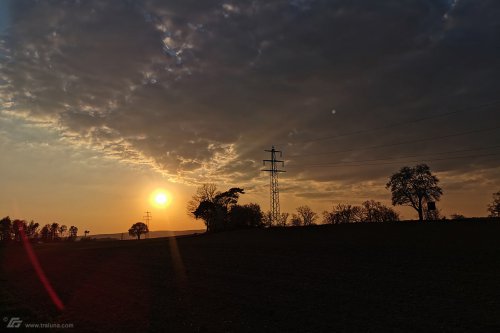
<point>147,218</point>
<point>275,195</point>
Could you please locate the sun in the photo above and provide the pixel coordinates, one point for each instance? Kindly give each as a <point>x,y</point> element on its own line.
<point>160,198</point>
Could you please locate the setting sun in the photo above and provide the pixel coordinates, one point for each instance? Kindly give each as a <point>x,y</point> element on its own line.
<point>160,198</point>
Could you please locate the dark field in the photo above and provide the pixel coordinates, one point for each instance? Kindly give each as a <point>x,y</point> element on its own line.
<point>365,277</point>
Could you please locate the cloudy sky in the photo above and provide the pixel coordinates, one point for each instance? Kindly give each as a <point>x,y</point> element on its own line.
<point>102,102</point>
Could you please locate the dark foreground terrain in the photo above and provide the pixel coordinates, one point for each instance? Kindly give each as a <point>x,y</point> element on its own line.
<point>366,277</point>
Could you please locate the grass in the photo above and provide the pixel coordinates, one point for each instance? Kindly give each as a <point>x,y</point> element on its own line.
<point>363,277</point>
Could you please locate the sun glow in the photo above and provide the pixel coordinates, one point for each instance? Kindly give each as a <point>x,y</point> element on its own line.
<point>160,198</point>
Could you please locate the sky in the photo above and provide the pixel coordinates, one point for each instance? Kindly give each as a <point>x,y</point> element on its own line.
<point>104,102</point>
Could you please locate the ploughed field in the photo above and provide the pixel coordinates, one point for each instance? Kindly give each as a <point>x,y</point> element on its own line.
<point>360,277</point>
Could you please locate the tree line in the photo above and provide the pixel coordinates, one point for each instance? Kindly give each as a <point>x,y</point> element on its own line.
<point>218,216</point>
<point>414,187</point>
<point>10,230</point>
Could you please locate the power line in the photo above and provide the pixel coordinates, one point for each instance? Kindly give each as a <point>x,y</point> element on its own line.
<point>397,162</point>
<point>402,142</point>
<point>416,120</point>
<point>399,157</point>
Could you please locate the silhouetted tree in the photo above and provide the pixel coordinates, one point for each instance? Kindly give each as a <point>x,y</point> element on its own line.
<point>72,233</point>
<point>5,229</point>
<point>215,212</point>
<point>374,211</point>
<point>343,213</point>
<point>86,232</point>
<point>245,216</point>
<point>54,228</point>
<point>207,211</point>
<point>329,217</point>
<point>414,186</point>
<point>17,225</point>
<point>370,211</point>
<point>306,215</point>
<point>353,214</point>
<point>295,221</point>
<point>32,230</point>
<point>494,206</point>
<point>283,221</point>
<point>62,229</point>
<point>224,201</point>
<point>45,233</point>
<point>389,214</point>
<point>229,198</point>
<point>205,192</point>
<point>457,216</point>
<point>433,215</point>
<point>138,229</point>
<point>267,219</point>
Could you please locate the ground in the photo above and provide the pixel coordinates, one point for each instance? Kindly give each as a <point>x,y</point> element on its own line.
<point>363,277</point>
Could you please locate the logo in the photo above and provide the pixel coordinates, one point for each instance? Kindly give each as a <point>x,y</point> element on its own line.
<point>15,322</point>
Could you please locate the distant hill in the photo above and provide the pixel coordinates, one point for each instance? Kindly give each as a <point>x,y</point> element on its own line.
<point>152,234</point>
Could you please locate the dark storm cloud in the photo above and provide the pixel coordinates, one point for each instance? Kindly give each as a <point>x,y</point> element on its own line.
<point>199,89</point>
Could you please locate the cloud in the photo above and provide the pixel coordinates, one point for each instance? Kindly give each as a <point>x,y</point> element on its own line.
<point>198,90</point>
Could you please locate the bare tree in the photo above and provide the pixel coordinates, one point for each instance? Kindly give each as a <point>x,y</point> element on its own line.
<point>307,216</point>
<point>329,217</point>
<point>205,192</point>
<point>344,213</point>
<point>295,221</point>
<point>413,187</point>
<point>267,219</point>
<point>494,206</point>
<point>374,211</point>
<point>370,211</point>
<point>283,220</point>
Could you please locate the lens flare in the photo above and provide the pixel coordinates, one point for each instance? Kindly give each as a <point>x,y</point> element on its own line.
<point>39,271</point>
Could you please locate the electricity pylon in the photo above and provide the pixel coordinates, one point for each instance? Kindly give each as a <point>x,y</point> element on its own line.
<point>147,218</point>
<point>275,194</point>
